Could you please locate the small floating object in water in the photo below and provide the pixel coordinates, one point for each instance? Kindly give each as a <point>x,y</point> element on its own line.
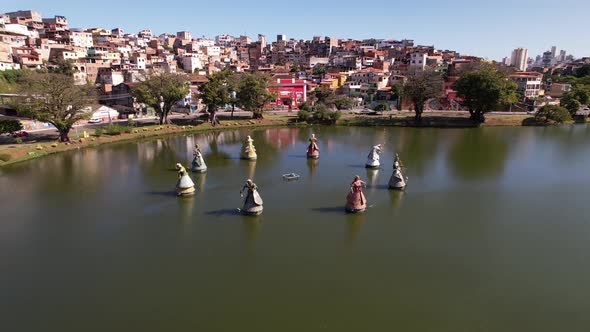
<point>291,176</point>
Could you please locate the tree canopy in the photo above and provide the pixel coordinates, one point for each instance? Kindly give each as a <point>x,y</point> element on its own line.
<point>217,91</point>
<point>55,99</point>
<point>485,90</point>
<point>574,99</point>
<point>419,88</point>
<point>166,88</point>
<point>553,113</point>
<point>253,94</point>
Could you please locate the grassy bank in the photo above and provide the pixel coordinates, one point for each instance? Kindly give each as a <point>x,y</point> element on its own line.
<point>439,120</point>
<point>15,153</point>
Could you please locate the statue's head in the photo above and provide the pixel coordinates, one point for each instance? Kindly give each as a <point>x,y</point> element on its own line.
<point>312,135</point>
<point>356,178</point>
<point>178,166</point>
<point>249,182</point>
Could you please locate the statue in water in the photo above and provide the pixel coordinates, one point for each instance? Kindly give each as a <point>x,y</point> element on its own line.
<point>373,157</point>
<point>356,201</point>
<point>248,150</point>
<point>312,150</point>
<point>198,164</point>
<point>398,180</point>
<point>253,202</point>
<point>184,186</point>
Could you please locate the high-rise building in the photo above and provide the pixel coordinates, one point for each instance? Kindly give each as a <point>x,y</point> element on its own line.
<point>562,56</point>
<point>554,51</point>
<point>547,60</point>
<point>506,61</point>
<point>262,41</point>
<point>519,58</point>
<point>281,38</point>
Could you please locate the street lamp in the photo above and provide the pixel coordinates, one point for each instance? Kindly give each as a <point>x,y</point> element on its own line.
<point>233,103</point>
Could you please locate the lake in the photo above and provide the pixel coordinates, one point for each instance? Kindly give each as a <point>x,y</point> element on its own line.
<point>491,234</point>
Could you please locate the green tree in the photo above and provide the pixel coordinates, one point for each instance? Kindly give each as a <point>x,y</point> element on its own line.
<point>485,90</point>
<point>65,67</point>
<point>583,71</point>
<point>382,107</point>
<point>553,113</point>
<point>419,88</point>
<point>161,91</point>
<point>9,126</point>
<point>574,99</point>
<point>253,93</point>
<point>216,92</point>
<point>339,101</point>
<point>55,99</point>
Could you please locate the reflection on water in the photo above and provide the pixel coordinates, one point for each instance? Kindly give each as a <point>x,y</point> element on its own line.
<point>479,154</point>
<point>98,235</point>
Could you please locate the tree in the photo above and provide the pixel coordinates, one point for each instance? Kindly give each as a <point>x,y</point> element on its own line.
<point>419,88</point>
<point>574,99</point>
<point>484,90</point>
<point>583,71</point>
<point>383,107</point>
<point>553,113</point>
<point>65,67</point>
<point>217,91</point>
<point>9,126</point>
<point>253,93</point>
<point>161,91</point>
<point>55,99</point>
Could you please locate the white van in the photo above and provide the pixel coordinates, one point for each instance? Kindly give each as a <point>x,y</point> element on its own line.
<point>103,116</point>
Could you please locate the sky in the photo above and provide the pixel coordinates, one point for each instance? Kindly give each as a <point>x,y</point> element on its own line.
<point>490,29</point>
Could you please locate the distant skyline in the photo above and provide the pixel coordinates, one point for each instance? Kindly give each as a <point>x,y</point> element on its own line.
<point>491,29</point>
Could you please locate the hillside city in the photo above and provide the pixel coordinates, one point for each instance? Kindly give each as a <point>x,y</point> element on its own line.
<point>367,71</point>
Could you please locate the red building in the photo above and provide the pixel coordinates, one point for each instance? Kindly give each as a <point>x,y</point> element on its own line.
<point>290,92</point>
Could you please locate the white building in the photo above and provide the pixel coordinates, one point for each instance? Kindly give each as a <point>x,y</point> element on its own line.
<point>418,60</point>
<point>191,62</point>
<point>529,83</point>
<point>80,38</point>
<point>519,58</point>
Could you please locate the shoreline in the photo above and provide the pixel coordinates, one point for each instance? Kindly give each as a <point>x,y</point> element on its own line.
<point>16,153</point>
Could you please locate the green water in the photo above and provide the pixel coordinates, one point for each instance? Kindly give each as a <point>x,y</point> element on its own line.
<point>492,234</point>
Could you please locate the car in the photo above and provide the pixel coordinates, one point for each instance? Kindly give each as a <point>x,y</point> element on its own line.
<point>21,133</point>
<point>95,120</point>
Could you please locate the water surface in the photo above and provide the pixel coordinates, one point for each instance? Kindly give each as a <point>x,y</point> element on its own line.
<point>492,234</point>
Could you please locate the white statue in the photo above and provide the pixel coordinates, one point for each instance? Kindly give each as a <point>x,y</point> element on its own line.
<point>185,186</point>
<point>373,157</point>
<point>248,150</point>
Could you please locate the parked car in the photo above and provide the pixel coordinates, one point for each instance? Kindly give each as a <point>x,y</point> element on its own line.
<point>21,133</point>
<point>95,120</point>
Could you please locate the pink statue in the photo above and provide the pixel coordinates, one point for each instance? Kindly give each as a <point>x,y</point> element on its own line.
<point>312,150</point>
<point>356,201</point>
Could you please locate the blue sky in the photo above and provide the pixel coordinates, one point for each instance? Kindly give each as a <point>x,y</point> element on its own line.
<point>485,28</point>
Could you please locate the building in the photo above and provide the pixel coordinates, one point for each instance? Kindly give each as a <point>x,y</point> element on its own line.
<point>519,58</point>
<point>418,60</point>
<point>79,38</point>
<point>529,84</point>
<point>184,35</point>
<point>262,41</point>
<point>281,38</point>
<point>557,90</point>
<point>290,92</point>
<point>57,23</point>
<point>547,60</point>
